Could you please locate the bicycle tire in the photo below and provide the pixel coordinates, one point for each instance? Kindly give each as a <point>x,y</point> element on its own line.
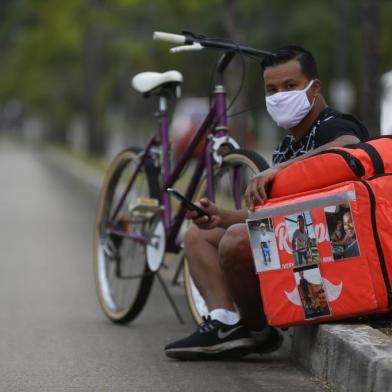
<point>248,159</point>
<point>122,261</point>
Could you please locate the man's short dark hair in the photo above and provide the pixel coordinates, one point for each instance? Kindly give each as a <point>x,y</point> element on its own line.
<point>293,52</point>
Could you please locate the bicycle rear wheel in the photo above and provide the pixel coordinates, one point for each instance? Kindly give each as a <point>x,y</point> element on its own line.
<point>230,180</point>
<point>122,275</point>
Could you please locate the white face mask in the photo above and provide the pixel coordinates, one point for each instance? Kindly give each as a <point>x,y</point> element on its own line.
<point>288,108</point>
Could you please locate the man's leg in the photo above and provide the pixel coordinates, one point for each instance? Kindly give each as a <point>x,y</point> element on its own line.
<point>221,335</point>
<point>264,257</point>
<point>269,254</point>
<point>237,264</point>
<point>299,256</point>
<point>201,251</point>
<point>304,257</point>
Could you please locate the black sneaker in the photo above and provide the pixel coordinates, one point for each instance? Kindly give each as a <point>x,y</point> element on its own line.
<point>214,340</point>
<point>271,343</point>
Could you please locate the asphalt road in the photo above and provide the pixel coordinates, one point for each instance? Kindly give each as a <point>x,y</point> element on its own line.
<point>53,335</point>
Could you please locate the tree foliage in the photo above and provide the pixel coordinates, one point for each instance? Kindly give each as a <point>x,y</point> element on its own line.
<point>75,58</point>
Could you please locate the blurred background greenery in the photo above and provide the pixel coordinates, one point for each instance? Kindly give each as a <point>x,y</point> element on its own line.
<point>66,66</point>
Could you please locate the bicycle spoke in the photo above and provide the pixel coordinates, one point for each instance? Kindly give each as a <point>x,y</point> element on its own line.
<point>123,279</point>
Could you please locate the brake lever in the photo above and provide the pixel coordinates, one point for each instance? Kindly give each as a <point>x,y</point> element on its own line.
<point>184,48</point>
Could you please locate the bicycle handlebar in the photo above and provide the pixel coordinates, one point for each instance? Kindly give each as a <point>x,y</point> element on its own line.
<point>169,37</point>
<point>193,42</point>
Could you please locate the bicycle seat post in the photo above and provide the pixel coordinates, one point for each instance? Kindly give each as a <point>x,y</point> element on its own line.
<point>165,145</point>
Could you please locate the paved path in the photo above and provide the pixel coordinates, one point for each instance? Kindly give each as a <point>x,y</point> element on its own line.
<point>54,336</point>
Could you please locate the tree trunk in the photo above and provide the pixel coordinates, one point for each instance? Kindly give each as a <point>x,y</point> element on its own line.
<point>371,57</point>
<point>93,71</point>
<point>240,127</point>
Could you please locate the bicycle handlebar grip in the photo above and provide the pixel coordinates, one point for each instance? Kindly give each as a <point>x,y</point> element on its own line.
<point>186,48</point>
<point>169,37</point>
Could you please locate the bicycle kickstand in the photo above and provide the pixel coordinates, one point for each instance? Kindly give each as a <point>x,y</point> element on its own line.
<point>170,298</point>
<point>176,277</point>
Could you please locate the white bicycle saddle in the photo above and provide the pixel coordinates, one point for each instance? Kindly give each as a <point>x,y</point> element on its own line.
<point>147,81</point>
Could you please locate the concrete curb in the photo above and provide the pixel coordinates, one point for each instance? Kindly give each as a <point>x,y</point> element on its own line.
<point>349,357</point>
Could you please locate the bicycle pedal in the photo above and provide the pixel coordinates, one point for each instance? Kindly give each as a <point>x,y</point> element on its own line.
<point>144,207</point>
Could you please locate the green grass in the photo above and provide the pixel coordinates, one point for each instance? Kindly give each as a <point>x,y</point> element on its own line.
<point>95,162</point>
<point>100,165</point>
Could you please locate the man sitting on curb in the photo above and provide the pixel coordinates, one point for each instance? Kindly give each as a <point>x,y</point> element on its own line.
<point>218,248</point>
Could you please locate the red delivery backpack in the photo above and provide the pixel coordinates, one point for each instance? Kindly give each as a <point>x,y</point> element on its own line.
<point>335,165</point>
<point>325,253</point>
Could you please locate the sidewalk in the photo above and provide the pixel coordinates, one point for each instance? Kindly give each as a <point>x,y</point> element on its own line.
<point>349,357</point>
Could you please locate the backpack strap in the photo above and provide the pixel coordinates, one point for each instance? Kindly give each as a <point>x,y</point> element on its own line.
<point>374,155</point>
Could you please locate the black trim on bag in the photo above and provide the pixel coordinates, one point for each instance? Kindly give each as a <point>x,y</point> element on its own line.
<point>374,155</point>
<point>381,137</point>
<point>353,162</point>
<point>378,242</point>
<point>378,176</point>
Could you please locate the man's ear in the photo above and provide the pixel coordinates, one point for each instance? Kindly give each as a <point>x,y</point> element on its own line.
<point>316,86</point>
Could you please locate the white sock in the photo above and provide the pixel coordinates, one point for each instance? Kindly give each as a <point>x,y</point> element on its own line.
<point>261,335</point>
<point>225,316</point>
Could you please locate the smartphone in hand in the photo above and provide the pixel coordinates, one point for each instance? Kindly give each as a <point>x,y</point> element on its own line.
<point>187,203</point>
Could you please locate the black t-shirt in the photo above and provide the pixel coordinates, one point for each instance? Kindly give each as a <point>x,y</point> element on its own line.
<point>329,125</point>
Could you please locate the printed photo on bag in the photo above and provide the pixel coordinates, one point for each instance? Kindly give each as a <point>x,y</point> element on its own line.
<point>311,291</point>
<point>302,239</point>
<point>321,233</point>
<point>263,242</point>
<point>341,231</point>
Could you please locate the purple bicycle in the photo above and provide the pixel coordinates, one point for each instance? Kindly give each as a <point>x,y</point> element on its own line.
<point>136,224</point>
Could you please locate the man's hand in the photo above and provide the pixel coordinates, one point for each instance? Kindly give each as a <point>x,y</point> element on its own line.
<point>205,222</point>
<point>256,190</point>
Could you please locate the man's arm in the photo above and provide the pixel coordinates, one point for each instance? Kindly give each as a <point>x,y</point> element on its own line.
<point>255,192</point>
<point>218,217</point>
<point>231,217</point>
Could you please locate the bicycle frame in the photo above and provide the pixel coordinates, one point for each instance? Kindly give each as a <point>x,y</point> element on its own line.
<point>156,231</point>
<point>217,119</point>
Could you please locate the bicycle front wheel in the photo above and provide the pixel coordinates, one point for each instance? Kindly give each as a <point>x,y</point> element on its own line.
<point>122,275</point>
<point>230,180</point>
